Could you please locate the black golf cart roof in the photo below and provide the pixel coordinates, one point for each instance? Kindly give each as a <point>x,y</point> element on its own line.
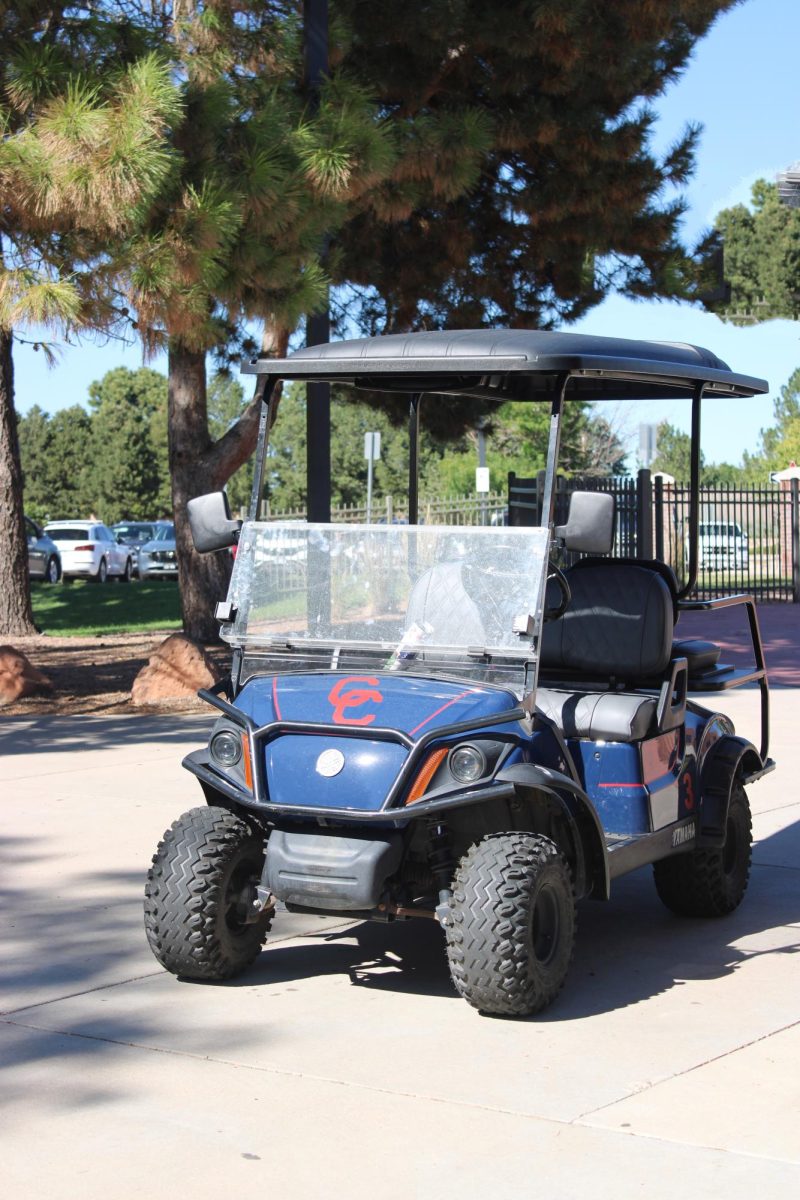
<point>513,363</point>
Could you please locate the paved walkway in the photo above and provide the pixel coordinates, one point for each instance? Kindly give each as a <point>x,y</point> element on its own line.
<point>343,1064</point>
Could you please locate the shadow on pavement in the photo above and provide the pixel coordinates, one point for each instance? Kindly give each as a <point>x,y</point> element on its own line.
<point>23,735</point>
<point>91,936</point>
<point>627,950</point>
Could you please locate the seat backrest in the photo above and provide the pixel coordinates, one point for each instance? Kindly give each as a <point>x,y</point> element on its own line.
<point>649,564</point>
<point>439,599</point>
<point>618,624</point>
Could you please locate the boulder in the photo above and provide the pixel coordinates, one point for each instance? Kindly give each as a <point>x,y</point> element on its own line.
<point>175,671</point>
<point>19,677</point>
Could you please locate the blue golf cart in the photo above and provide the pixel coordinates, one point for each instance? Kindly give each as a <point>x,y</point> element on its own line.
<point>449,723</point>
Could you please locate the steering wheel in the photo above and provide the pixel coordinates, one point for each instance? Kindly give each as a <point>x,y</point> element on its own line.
<point>558,610</point>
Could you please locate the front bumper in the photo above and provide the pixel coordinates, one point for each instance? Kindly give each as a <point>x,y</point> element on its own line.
<point>212,780</point>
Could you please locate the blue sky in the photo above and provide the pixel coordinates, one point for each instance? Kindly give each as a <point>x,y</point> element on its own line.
<point>742,87</point>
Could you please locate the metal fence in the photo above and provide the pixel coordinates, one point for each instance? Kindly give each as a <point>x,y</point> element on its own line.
<point>749,537</point>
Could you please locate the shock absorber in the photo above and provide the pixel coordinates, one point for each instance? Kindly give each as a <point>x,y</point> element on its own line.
<point>440,858</point>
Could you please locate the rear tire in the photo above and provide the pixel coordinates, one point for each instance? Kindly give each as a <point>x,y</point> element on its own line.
<point>102,572</point>
<point>198,908</point>
<point>52,572</point>
<point>710,883</point>
<point>512,933</point>
<point>127,574</point>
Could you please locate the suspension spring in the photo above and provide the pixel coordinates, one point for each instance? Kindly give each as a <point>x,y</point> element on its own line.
<point>440,855</point>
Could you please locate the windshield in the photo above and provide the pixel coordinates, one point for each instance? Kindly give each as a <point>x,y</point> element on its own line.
<point>134,533</point>
<point>72,534</point>
<point>433,599</point>
<point>164,533</point>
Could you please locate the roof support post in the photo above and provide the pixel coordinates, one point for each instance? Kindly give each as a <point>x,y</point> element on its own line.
<point>548,509</point>
<point>694,493</point>
<point>265,419</point>
<point>413,458</point>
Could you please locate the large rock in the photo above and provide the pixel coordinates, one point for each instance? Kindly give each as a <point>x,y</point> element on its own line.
<point>19,677</point>
<point>175,671</point>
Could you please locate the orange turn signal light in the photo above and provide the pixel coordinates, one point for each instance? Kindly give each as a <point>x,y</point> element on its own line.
<point>247,762</point>
<point>426,773</point>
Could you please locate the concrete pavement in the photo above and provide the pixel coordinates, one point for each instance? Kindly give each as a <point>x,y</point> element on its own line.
<point>343,1064</point>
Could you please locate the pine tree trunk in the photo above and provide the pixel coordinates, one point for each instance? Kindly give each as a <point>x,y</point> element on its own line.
<point>203,578</point>
<point>16,615</point>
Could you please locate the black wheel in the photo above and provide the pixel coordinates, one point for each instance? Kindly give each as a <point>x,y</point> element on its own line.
<point>512,934</point>
<point>127,574</point>
<point>710,883</point>
<point>198,907</point>
<point>52,572</point>
<point>102,572</point>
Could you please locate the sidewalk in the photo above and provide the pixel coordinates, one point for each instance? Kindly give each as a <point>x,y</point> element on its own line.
<point>343,1065</point>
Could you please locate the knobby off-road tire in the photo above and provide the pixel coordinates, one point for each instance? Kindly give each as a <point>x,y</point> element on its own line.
<point>710,883</point>
<point>199,895</point>
<point>512,933</point>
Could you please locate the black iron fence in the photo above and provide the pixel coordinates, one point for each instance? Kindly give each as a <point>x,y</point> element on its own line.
<point>749,537</point>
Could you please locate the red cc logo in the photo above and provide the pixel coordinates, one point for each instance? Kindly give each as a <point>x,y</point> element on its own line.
<point>343,696</point>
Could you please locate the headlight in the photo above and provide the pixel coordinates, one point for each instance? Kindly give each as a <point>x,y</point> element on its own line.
<point>467,763</point>
<point>226,748</point>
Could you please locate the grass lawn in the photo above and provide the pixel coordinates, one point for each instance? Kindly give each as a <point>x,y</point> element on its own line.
<point>82,608</point>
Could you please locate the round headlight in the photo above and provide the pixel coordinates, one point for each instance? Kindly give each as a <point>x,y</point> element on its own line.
<point>467,764</point>
<point>226,748</point>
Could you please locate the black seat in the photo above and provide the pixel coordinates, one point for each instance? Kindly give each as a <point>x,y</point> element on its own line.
<point>616,632</point>
<point>700,655</point>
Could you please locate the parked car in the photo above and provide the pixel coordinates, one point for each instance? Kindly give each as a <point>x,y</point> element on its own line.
<point>721,544</point>
<point>89,550</point>
<point>134,535</point>
<point>157,558</point>
<point>44,560</point>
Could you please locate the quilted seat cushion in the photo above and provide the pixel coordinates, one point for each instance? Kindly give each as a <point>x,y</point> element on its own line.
<point>619,624</point>
<point>610,716</point>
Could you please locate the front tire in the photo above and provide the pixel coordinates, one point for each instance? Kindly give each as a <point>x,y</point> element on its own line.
<point>512,934</point>
<point>198,908</point>
<point>710,883</point>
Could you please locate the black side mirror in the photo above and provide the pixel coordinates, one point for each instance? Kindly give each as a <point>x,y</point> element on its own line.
<point>590,523</point>
<point>211,523</point>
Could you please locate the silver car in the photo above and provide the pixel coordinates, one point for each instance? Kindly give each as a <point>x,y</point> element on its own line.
<point>157,559</point>
<point>44,560</point>
<point>134,535</point>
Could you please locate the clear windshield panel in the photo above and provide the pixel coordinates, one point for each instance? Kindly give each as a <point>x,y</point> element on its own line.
<point>430,598</point>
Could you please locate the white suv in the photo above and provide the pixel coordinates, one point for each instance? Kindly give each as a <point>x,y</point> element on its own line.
<point>721,545</point>
<point>89,550</point>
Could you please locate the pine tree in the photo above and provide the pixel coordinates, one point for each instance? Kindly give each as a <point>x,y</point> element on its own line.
<point>761,258</point>
<point>570,203</point>
<point>82,120</point>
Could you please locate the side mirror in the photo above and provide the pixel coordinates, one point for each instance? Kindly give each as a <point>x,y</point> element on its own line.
<point>590,523</point>
<point>211,523</point>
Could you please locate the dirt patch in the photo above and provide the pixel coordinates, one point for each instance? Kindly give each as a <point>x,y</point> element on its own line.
<point>96,674</point>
